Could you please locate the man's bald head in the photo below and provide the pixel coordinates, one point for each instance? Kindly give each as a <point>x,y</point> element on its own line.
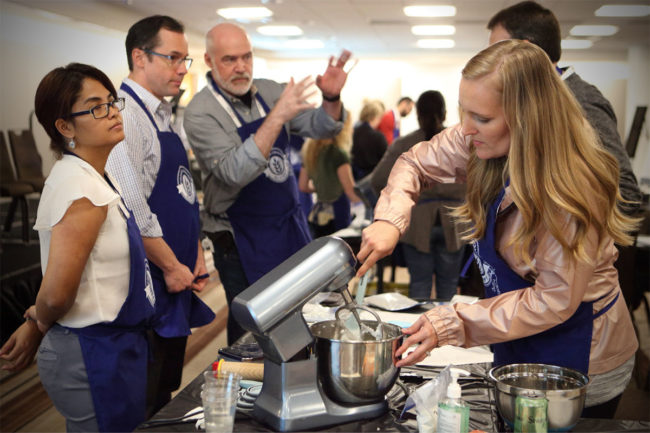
<point>229,54</point>
<point>224,33</point>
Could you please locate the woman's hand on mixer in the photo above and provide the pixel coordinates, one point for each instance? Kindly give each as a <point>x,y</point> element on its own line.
<point>422,334</point>
<point>377,241</point>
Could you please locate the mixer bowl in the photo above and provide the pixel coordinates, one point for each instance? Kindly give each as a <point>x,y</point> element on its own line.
<point>564,388</point>
<point>356,372</point>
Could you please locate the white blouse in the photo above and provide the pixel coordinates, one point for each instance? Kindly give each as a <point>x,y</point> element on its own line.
<point>104,283</point>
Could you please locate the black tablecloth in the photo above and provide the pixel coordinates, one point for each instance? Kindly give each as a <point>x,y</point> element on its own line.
<point>476,392</point>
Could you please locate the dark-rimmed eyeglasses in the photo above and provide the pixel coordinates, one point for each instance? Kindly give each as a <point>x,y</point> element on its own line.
<point>175,61</point>
<point>101,110</point>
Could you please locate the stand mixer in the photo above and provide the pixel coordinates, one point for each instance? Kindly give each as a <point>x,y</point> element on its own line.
<point>293,397</point>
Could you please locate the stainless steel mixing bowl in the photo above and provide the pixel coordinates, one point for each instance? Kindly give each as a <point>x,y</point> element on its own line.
<point>356,372</point>
<point>564,388</point>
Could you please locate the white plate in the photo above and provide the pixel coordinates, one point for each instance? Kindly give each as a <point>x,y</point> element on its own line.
<point>392,301</point>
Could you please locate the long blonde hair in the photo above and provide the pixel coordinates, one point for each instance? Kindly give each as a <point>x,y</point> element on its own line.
<point>556,164</point>
<point>312,147</point>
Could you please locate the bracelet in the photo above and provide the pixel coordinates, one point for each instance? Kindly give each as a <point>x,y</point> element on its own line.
<point>332,98</point>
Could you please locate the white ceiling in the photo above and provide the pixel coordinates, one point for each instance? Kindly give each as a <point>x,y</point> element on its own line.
<point>375,28</point>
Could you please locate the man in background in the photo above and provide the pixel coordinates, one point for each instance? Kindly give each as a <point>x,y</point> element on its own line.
<point>239,131</point>
<point>532,22</point>
<point>152,169</point>
<point>391,120</point>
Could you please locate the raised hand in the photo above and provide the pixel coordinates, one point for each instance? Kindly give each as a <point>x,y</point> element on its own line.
<point>332,81</point>
<point>294,99</point>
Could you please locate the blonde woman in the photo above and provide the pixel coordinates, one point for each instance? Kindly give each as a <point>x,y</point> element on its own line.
<point>368,144</point>
<point>326,163</point>
<point>541,198</point>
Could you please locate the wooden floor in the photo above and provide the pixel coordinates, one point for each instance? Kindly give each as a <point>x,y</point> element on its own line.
<point>32,411</point>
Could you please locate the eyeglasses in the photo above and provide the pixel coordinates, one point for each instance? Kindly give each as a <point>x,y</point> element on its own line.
<point>101,110</point>
<point>175,61</point>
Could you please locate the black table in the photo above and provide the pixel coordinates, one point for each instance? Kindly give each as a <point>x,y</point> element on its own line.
<point>476,392</point>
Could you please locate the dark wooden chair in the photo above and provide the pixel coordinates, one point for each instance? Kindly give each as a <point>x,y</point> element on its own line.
<point>28,162</point>
<point>10,187</point>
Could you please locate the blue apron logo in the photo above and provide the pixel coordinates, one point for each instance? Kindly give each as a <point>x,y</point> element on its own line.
<point>279,166</point>
<point>185,185</point>
<point>148,284</point>
<point>487,272</point>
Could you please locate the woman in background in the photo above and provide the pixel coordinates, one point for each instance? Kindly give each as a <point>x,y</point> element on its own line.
<point>432,244</point>
<point>326,163</point>
<point>542,203</point>
<point>368,144</point>
<point>96,296</point>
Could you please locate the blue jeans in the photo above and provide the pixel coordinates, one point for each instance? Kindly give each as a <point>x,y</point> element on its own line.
<point>443,264</point>
<point>232,276</point>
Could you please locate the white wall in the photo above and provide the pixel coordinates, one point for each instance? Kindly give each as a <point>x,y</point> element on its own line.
<point>33,42</point>
<point>638,93</point>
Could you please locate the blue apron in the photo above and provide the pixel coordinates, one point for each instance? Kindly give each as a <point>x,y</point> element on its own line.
<point>567,344</point>
<point>116,353</point>
<point>173,200</point>
<point>267,221</point>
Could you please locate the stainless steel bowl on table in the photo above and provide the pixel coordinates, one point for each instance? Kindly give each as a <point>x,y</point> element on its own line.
<point>356,372</point>
<point>564,388</point>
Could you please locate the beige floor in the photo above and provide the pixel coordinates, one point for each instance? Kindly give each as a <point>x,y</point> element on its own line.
<point>634,404</point>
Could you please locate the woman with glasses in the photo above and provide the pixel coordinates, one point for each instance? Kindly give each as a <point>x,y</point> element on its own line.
<point>96,297</point>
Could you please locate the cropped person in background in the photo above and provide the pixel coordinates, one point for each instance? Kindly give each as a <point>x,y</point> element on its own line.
<point>96,298</point>
<point>368,144</point>
<point>239,130</point>
<point>152,167</point>
<point>391,120</point>
<point>326,163</point>
<point>432,244</point>
<point>532,22</point>
<point>542,203</point>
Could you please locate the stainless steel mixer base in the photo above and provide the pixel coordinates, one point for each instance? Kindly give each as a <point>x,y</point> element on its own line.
<point>292,399</point>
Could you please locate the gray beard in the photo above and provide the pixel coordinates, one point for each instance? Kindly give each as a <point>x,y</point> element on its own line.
<point>230,88</point>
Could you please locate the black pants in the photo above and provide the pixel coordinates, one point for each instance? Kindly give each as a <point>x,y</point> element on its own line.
<point>605,410</point>
<point>165,370</point>
<point>231,274</point>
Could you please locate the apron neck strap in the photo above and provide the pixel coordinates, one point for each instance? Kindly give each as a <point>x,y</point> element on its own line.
<point>125,87</point>
<point>229,107</point>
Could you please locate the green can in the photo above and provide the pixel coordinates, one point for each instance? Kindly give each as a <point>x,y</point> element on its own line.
<point>531,414</point>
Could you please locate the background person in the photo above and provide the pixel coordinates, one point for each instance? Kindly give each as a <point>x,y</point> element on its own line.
<point>368,144</point>
<point>96,297</point>
<point>151,166</point>
<point>545,248</point>
<point>239,131</point>
<point>532,22</point>
<point>391,120</point>
<point>326,163</point>
<point>432,244</point>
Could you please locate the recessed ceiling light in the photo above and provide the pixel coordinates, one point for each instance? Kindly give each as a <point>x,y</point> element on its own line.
<point>252,13</point>
<point>272,30</point>
<point>623,11</point>
<point>433,30</point>
<point>576,44</point>
<point>303,44</point>
<point>604,30</point>
<point>436,43</point>
<point>430,11</point>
